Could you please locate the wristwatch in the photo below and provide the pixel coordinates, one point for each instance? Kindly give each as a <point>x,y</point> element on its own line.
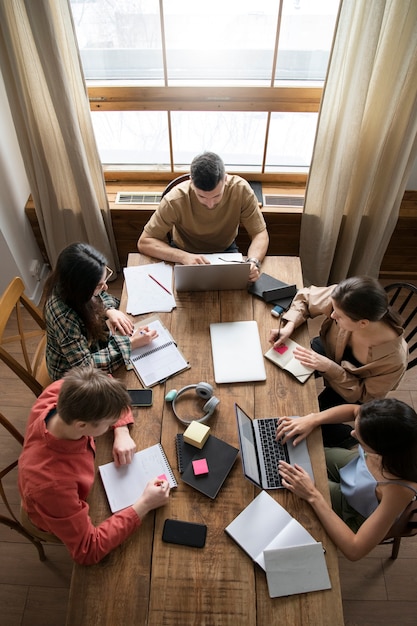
<point>255,261</point>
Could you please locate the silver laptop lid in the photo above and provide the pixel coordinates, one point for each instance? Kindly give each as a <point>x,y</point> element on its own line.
<point>248,452</point>
<point>213,277</point>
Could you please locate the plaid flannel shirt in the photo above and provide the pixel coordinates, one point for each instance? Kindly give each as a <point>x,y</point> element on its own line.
<point>67,343</point>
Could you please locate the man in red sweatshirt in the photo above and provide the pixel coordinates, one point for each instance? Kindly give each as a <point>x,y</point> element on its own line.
<point>56,468</point>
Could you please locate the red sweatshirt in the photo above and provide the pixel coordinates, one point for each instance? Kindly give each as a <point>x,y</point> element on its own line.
<point>55,478</point>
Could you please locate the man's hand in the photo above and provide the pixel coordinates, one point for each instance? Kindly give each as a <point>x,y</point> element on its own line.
<point>124,446</point>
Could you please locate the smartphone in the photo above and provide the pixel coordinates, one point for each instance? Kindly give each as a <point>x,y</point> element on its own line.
<point>184,533</point>
<point>140,397</point>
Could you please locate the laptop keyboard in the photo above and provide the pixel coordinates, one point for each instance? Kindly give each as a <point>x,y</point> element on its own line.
<point>273,451</point>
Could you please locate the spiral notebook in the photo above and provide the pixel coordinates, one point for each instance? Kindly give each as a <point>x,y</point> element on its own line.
<point>220,457</point>
<point>125,484</point>
<point>160,359</point>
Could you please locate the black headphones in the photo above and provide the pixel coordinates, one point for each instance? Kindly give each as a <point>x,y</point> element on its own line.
<point>203,390</point>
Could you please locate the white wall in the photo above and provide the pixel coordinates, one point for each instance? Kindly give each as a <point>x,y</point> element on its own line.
<point>18,246</point>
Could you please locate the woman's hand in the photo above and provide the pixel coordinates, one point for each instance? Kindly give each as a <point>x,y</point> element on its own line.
<point>296,480</point>
<point>142,337</point>
<point>124,446</point>
<point>310,358</point>
<point>277,336</point>
<point>119,322</point>
<point>296,428</point>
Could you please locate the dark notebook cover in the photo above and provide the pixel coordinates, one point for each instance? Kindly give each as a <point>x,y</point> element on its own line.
<point>220,457</point>
<point>270,289</point>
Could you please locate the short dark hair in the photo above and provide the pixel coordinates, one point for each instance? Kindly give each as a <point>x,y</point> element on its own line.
<point>206,171</point>
<point>90,395</point>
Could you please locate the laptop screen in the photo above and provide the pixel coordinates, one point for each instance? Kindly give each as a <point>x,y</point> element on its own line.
<point>247,446</point>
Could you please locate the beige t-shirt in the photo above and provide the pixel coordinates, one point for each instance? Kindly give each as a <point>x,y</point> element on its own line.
<point>197,229</point>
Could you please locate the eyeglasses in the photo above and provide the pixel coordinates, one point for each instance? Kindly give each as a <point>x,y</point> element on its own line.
<point>109,274</point>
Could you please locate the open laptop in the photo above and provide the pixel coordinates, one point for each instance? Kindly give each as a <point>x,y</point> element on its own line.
<point>213,277</point>
<point>260,452</point>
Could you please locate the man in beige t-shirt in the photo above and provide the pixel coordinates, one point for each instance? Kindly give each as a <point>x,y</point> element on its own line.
<point>203,216</point>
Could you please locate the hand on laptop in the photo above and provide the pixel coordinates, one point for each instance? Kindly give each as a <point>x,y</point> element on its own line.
<point>296,480</point>
<point>194,259</point>
<point>296,427</point>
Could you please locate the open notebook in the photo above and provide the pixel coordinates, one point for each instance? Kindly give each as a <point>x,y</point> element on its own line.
<point>160,359</point>
<point>293,560</point>
<point>125,484</point>
<point>283,356</point>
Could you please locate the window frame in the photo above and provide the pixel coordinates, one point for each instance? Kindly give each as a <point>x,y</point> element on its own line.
<point>216,98</point>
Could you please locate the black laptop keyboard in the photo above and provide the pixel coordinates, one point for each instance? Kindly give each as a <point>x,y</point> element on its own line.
<point>273,451</point>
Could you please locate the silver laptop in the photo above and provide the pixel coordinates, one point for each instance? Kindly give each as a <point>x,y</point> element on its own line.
<point>213,277</point>
<point>260,452</point>
<point>237,352</point>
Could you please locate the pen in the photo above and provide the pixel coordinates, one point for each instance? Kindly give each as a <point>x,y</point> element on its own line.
<point>160,284</point>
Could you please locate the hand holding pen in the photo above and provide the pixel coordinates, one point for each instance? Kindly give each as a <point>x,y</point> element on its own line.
<point>277,336</point>
<point>142,337</point>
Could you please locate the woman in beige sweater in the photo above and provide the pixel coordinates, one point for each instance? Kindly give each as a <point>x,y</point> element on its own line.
<point>361,352</point>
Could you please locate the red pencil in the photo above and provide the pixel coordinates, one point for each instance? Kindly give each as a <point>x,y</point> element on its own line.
<point>160,284</point>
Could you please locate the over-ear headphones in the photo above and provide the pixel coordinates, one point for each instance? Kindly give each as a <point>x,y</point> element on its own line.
<point>203,390</point>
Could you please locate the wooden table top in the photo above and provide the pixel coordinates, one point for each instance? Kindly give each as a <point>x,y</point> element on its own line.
<point>146,582</point>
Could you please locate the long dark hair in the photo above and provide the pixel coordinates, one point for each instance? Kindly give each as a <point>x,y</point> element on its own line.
<point>79,269</point>
<point>389,427</point>
<point>364,298</point>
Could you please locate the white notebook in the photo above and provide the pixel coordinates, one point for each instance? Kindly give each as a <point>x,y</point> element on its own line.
<point>160,359</point>
<point>125,484</point>
<point>237,352</point>
<point>293,560</point>
<point>283,357</point>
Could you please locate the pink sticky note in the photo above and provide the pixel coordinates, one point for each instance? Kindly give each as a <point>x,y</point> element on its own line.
<point>162,477</point>
<point>200,467</point>
<point>281,349</point>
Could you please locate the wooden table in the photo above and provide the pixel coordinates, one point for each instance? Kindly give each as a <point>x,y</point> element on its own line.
<point>148,582</point>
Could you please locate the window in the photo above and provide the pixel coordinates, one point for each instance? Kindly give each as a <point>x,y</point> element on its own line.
<point>168,79</point>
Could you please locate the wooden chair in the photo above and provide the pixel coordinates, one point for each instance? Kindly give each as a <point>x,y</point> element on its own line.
<point>12,521</point>
<point>171,185</point>
<point>14,352</point>
<point>33,371</point>
<point>405,526</point>
<point>403,298</point>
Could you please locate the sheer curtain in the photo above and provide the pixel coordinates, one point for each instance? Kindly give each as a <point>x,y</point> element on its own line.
<point>365,143</point>
<point>45,86</point>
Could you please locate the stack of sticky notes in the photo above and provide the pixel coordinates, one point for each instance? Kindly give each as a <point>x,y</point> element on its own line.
<point>200,467</point>
<point>196,434</point>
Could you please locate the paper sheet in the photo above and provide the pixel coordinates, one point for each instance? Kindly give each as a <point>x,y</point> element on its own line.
<point>144,295</point>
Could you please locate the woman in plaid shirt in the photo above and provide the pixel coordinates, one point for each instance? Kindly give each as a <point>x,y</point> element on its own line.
<point>82,318</point>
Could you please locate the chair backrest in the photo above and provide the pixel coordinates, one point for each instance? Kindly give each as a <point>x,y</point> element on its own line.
<point>405,526</point>
<point>403,298</point>
<point>29,364</point>
<point>174,183</point>
<point>171,185</point>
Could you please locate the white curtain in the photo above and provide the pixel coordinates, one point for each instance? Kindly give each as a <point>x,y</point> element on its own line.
<point>40,64</point>
<point>365,143</point>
